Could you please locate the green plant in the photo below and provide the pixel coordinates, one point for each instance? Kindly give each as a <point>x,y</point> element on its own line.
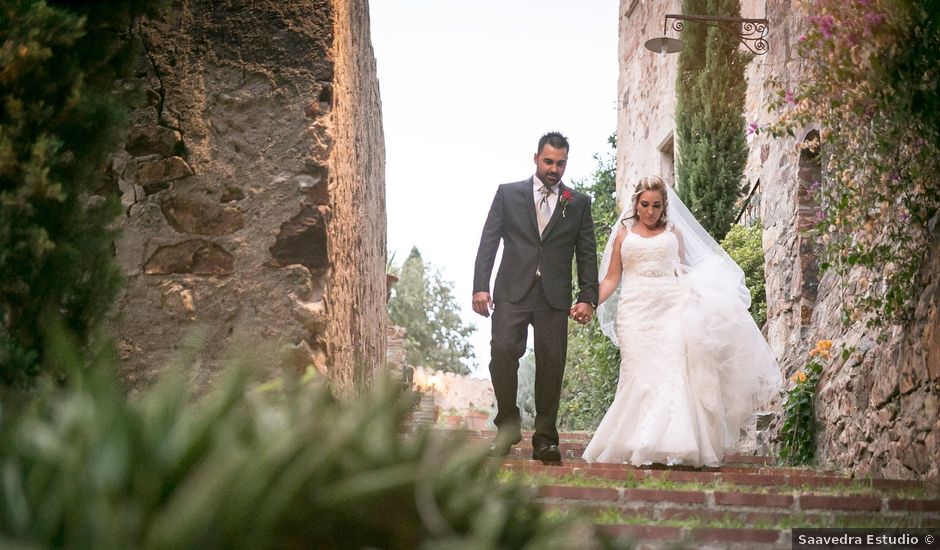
<point>744,245</point>
<point>59,120</point>
<point>798,431</point>
<point>593,361</point>
<point>84,467</point>
<point>710,124</point>
<point>872,82</point>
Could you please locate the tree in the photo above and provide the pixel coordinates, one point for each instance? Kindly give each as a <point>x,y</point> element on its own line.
<point>593,362</point>
<point>58,121</point>
<point>710,125</point>
<point>423,303</point>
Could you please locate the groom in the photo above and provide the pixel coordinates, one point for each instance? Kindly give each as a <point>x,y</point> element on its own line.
<point>543,224</point>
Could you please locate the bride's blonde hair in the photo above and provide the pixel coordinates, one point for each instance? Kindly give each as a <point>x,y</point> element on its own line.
<point>650,183</point>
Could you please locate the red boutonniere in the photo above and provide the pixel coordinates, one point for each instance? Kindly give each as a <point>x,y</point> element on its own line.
<point>565,198</point>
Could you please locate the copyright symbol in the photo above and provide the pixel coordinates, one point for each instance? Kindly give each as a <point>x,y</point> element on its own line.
<point>928,539</point>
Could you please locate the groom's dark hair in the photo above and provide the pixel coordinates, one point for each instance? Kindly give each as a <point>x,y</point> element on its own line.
<point>555,139</point>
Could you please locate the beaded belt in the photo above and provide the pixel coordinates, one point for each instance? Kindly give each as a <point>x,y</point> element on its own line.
<point>653,274</point>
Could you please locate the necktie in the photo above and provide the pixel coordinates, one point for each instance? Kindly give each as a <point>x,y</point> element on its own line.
<point>543,209</point>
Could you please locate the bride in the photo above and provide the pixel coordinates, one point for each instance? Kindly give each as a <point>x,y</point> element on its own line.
<point>693,365</point>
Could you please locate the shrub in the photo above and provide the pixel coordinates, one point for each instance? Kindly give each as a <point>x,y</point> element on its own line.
<point>744,246</point>
<point>710,124</point>
<point>58,122</point>
<point>242,468</point>
<point>798,431</point>
<point>593,361</point>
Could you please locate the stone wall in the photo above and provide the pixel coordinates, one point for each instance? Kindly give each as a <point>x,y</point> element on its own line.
<point>879,408</point>
<point>646,92</point>
<point>774,164</point>
<point>253,188</point>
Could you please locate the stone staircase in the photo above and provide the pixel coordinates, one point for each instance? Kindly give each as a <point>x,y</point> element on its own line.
<point>747,502</point>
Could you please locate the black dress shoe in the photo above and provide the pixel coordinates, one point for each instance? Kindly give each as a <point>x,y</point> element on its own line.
<point>547,454</point>
<point>502,446</point>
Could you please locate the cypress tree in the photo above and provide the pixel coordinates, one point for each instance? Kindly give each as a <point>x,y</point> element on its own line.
<point>59,120</point>
<point>710,125</point>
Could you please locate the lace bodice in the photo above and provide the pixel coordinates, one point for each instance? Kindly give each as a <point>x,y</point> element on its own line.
<point>655,256</point>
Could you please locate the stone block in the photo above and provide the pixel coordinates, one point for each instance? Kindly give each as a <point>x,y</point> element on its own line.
<point>885,385</point>
<point>311,315</point>
<point>158,172</point>
<point>196,257</point>
<point>200,216</point>
<point>932,344</point>
<point>302,240</point>
<point>154,140</point>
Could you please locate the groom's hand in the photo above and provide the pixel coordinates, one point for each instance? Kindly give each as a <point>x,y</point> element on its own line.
<point>482,303</point>
<point>581,312</point>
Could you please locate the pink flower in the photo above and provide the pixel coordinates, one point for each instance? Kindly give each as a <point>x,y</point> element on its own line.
<point>753,128</point>
<point>874,18</point>
<point>788,97</point>
<point>802,38</point>
<point>825,24</point>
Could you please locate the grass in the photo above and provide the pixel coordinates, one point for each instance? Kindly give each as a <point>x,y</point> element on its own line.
<point>578,479</point>
<point>731,520</point>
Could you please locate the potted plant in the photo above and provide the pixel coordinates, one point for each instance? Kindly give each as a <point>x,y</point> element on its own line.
<point>452,419</point>
<point>477,418</point>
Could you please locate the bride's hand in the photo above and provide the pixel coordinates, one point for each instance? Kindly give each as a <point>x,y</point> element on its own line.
<point>581,312</point>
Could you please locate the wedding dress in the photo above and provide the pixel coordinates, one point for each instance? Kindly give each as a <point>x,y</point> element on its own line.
<point>694,365</point>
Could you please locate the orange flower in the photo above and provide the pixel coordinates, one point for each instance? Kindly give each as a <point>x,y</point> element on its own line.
<point>822,349</point>
<point>798,376</point>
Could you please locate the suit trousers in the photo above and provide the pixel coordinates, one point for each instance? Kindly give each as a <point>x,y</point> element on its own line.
<point>510,331</point>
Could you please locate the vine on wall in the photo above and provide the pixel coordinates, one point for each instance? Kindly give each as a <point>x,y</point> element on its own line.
<point>873,85</point>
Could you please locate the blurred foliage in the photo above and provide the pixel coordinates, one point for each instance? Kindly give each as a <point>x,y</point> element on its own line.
<point>744,245</point>
<point>593,361</point>
<point>871,83</point>
<point>423,303</point>
<point>58,121</point>
<point>84,467</point>
<point>710,125</point>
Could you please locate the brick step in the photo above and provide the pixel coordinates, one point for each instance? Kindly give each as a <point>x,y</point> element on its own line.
<point>654,518</point>
<point>489,435</point>
<point>650,537</point>
<point>768,477</point>
<point>574,451</point>
<point>659,470</point>
<point>693,501</point>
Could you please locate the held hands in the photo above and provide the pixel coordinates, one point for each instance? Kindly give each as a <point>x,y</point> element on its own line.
<point>482,303</point>
<point>581,312</point>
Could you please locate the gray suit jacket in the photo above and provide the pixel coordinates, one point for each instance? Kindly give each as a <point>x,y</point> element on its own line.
<point>568,235</point>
